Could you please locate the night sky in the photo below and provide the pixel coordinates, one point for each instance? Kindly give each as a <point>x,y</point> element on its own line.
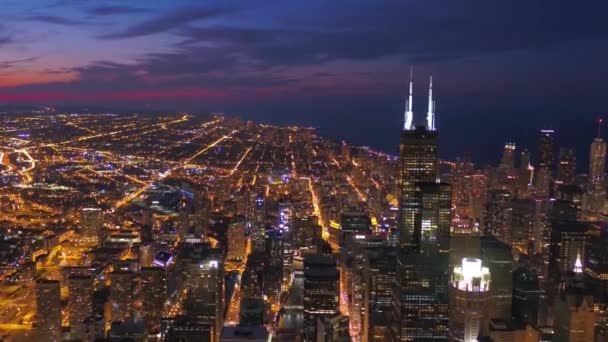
<point>501,69</point>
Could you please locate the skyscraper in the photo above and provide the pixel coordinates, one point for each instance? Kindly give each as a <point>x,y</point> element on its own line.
<point>418,152</point>
<point>575,317</point>
<point>526,295</point>
<point>258,227</point>
<point>236,239</point>
<point>546,148</point>
<point>204,282</point>
<point>469,290</point>
<point>80,288</point>
<point>546,161</point>
<point>153,295</point>
<point>48,308</point>
<point>597,165</point>
<point>421,299</point>
<point>567,165</point>
<point>507,163</point>
<point>321,290</point>
<point>122,294</point>
<point>91,222</point>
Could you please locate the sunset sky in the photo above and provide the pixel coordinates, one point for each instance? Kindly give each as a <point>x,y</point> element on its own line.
<point>342,66</point>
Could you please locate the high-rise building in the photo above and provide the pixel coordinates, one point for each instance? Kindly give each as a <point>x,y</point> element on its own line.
<point>91,222</point>
<point>526,296</point>
<point>575,317</point>
<point>418,151</point>
<point>435,218</point>
<point>496,215</point>
<point>546,162</point>
<point>321,290</point>
<point>421,298</point>
<point>122,294</point>
<point>80,289</point>
<point>332,329</point>
<point>464,241</point>
<point>596,272</point>
<point>48,308</point>
<point>596,196</point>
<point>236,239</point>
<point>546,149</point>
<point>258,227</point>
<point>567,165</point>
<point>147,227</point>
<point>252,280</point>
<point>153,296</point>
<point>567,243</point>
<point>497,256</point>
<point>382,269</point>
<point>469,297</point>
<point>194,213</point>
<point>204,281</point>
<point>507,163</point>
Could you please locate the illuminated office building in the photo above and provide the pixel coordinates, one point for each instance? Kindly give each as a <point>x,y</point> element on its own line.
<point>546,161</point>
<point>464,241</point>
<point>48,308</point>
<point>507,163</point>
<point>469,296</point>
<point>258,227</point>
<point>153,296</point>
<point>575,317</point>
<point>596,196</point>
<point>418,165</point>
<point>91,222</point>
<point>568,241</point>
<point>567,166</point>
<point>194,213</point>
<point>122,294</point>
<point>236,239</point>
<point>421,300</point>
<point>204,283</point>
<point>80,305</point>
<point>321,290</point>
<point>546,149</point>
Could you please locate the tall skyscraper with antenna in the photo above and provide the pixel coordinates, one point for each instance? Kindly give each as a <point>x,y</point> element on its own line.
<point>421,300</point>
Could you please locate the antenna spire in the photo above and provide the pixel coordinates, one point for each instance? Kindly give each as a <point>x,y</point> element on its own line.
<point>430,116</point>
<point>599,127</point>
<point>409,114</point>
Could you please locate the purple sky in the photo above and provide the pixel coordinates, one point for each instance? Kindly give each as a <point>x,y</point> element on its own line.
<point>501,70</point>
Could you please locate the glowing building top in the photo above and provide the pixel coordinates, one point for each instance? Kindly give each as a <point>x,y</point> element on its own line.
<point>471,276</point>
<point>578,265</point>
<point>430,116</point>
<point>409,114</point>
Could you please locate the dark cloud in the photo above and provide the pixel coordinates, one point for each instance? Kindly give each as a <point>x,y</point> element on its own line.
<point>15,62</point>
<point>56,20</point>
<point>167,22</point>
<point>5,40</point>
<point>115,9</point>
<point>6,37</point>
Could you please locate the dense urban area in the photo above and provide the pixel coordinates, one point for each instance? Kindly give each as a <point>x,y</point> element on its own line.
<point>207,228</point>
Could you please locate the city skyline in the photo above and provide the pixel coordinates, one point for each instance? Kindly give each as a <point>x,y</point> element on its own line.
<point>361,171</point>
